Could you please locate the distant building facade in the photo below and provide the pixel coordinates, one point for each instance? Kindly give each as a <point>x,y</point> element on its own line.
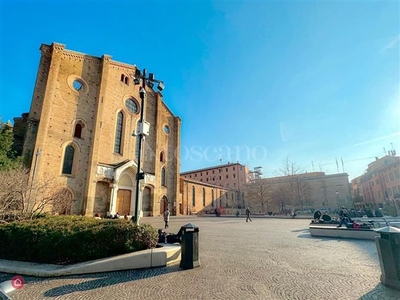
<point>79,133</point>
<point>199,197</point>
<point>357,192</point>
<point>307,191</point>
<point>381,182</point>
<point>230,176</point>
<point>218,187</point>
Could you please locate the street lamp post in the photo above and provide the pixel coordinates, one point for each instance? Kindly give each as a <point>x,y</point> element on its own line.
<point>144,127</point>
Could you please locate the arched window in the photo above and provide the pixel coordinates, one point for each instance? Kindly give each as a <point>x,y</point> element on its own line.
<point>126,80</point>
<point>204,197</point>
<point>163,177</point>
<point>162,156</point>
<point>193,196</point>
<point>78,130</point>
<point>212,198</point>
<point>122,77</point>
<point>68,160</point>
<point>118,133</point>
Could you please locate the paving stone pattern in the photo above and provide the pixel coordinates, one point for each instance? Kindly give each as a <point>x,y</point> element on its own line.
<point>263,259</point>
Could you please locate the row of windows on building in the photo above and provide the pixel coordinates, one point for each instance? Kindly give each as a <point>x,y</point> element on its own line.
<point>391,175</point>
<point>212,197</point>
<point>68,163</point>
<point>119,134</point>
<point>78,84</point>
<point>213,172</point>
<point>389,193</point>
<point>124,79</point>
<point>395,193</point>
<point>131,105</point>
<point>211,178</point>
<point>388,177</point>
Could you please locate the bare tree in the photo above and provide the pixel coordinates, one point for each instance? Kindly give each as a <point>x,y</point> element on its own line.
<point>13,190</point>
<point>290,171</point>
<point>20,198</point>
<point>303,193</point>
<point>281,198</point>
<point>257,194</point>
<point>295,189</point>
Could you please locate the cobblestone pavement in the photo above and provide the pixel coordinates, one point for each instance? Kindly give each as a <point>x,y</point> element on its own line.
<point>263,259</point>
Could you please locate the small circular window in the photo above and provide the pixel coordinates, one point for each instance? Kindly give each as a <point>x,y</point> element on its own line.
<point>166,129</point>
<point>77,84</point>
<point>132,106</point>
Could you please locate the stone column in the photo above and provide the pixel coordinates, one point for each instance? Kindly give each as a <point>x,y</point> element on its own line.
<point>113,198</point>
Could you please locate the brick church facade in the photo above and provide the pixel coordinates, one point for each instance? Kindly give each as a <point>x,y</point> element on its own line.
<point>79,132</point>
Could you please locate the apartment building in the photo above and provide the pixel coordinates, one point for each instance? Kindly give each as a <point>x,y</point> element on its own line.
<point>231,176</point>
<point>381,182</point>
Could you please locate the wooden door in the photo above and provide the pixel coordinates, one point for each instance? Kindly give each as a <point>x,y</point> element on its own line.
<point>123,202</point>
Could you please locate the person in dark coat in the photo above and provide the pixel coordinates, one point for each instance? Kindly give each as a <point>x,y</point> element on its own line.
<point>166,218</point>
<point>248,215</point>
<point>317,215</point>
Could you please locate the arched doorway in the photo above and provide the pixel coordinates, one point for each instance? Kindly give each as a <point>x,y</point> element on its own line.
<point>163,204</point>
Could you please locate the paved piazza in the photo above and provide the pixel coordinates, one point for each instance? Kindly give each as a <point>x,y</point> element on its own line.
<point>263,259</point>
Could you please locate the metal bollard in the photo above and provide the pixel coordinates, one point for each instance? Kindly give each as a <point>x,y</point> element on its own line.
<point>190,247</point>
<point>388,246</point>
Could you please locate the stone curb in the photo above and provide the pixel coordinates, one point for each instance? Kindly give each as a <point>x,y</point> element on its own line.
<point>157,257</point>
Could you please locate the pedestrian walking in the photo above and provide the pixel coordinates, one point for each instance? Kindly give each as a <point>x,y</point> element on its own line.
<point>248,215</point>
<point>166,218</point>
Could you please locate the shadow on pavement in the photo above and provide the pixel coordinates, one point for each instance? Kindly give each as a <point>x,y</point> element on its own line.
<point>300,230</point>
<point>381,290</point>
<point>305,236</point>
<point>107,279</point>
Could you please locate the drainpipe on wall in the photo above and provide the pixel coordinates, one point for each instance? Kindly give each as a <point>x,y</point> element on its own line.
<point>33,177</point>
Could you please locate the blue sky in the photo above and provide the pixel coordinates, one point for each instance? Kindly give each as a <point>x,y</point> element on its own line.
<point>252,81</point>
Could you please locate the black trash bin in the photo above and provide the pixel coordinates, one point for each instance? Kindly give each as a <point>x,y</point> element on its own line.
<point>189,246</point>
<point>388,246</point>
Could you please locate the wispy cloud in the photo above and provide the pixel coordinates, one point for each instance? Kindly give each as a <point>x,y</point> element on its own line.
<point>392,44</point>
<point>377,139</point>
